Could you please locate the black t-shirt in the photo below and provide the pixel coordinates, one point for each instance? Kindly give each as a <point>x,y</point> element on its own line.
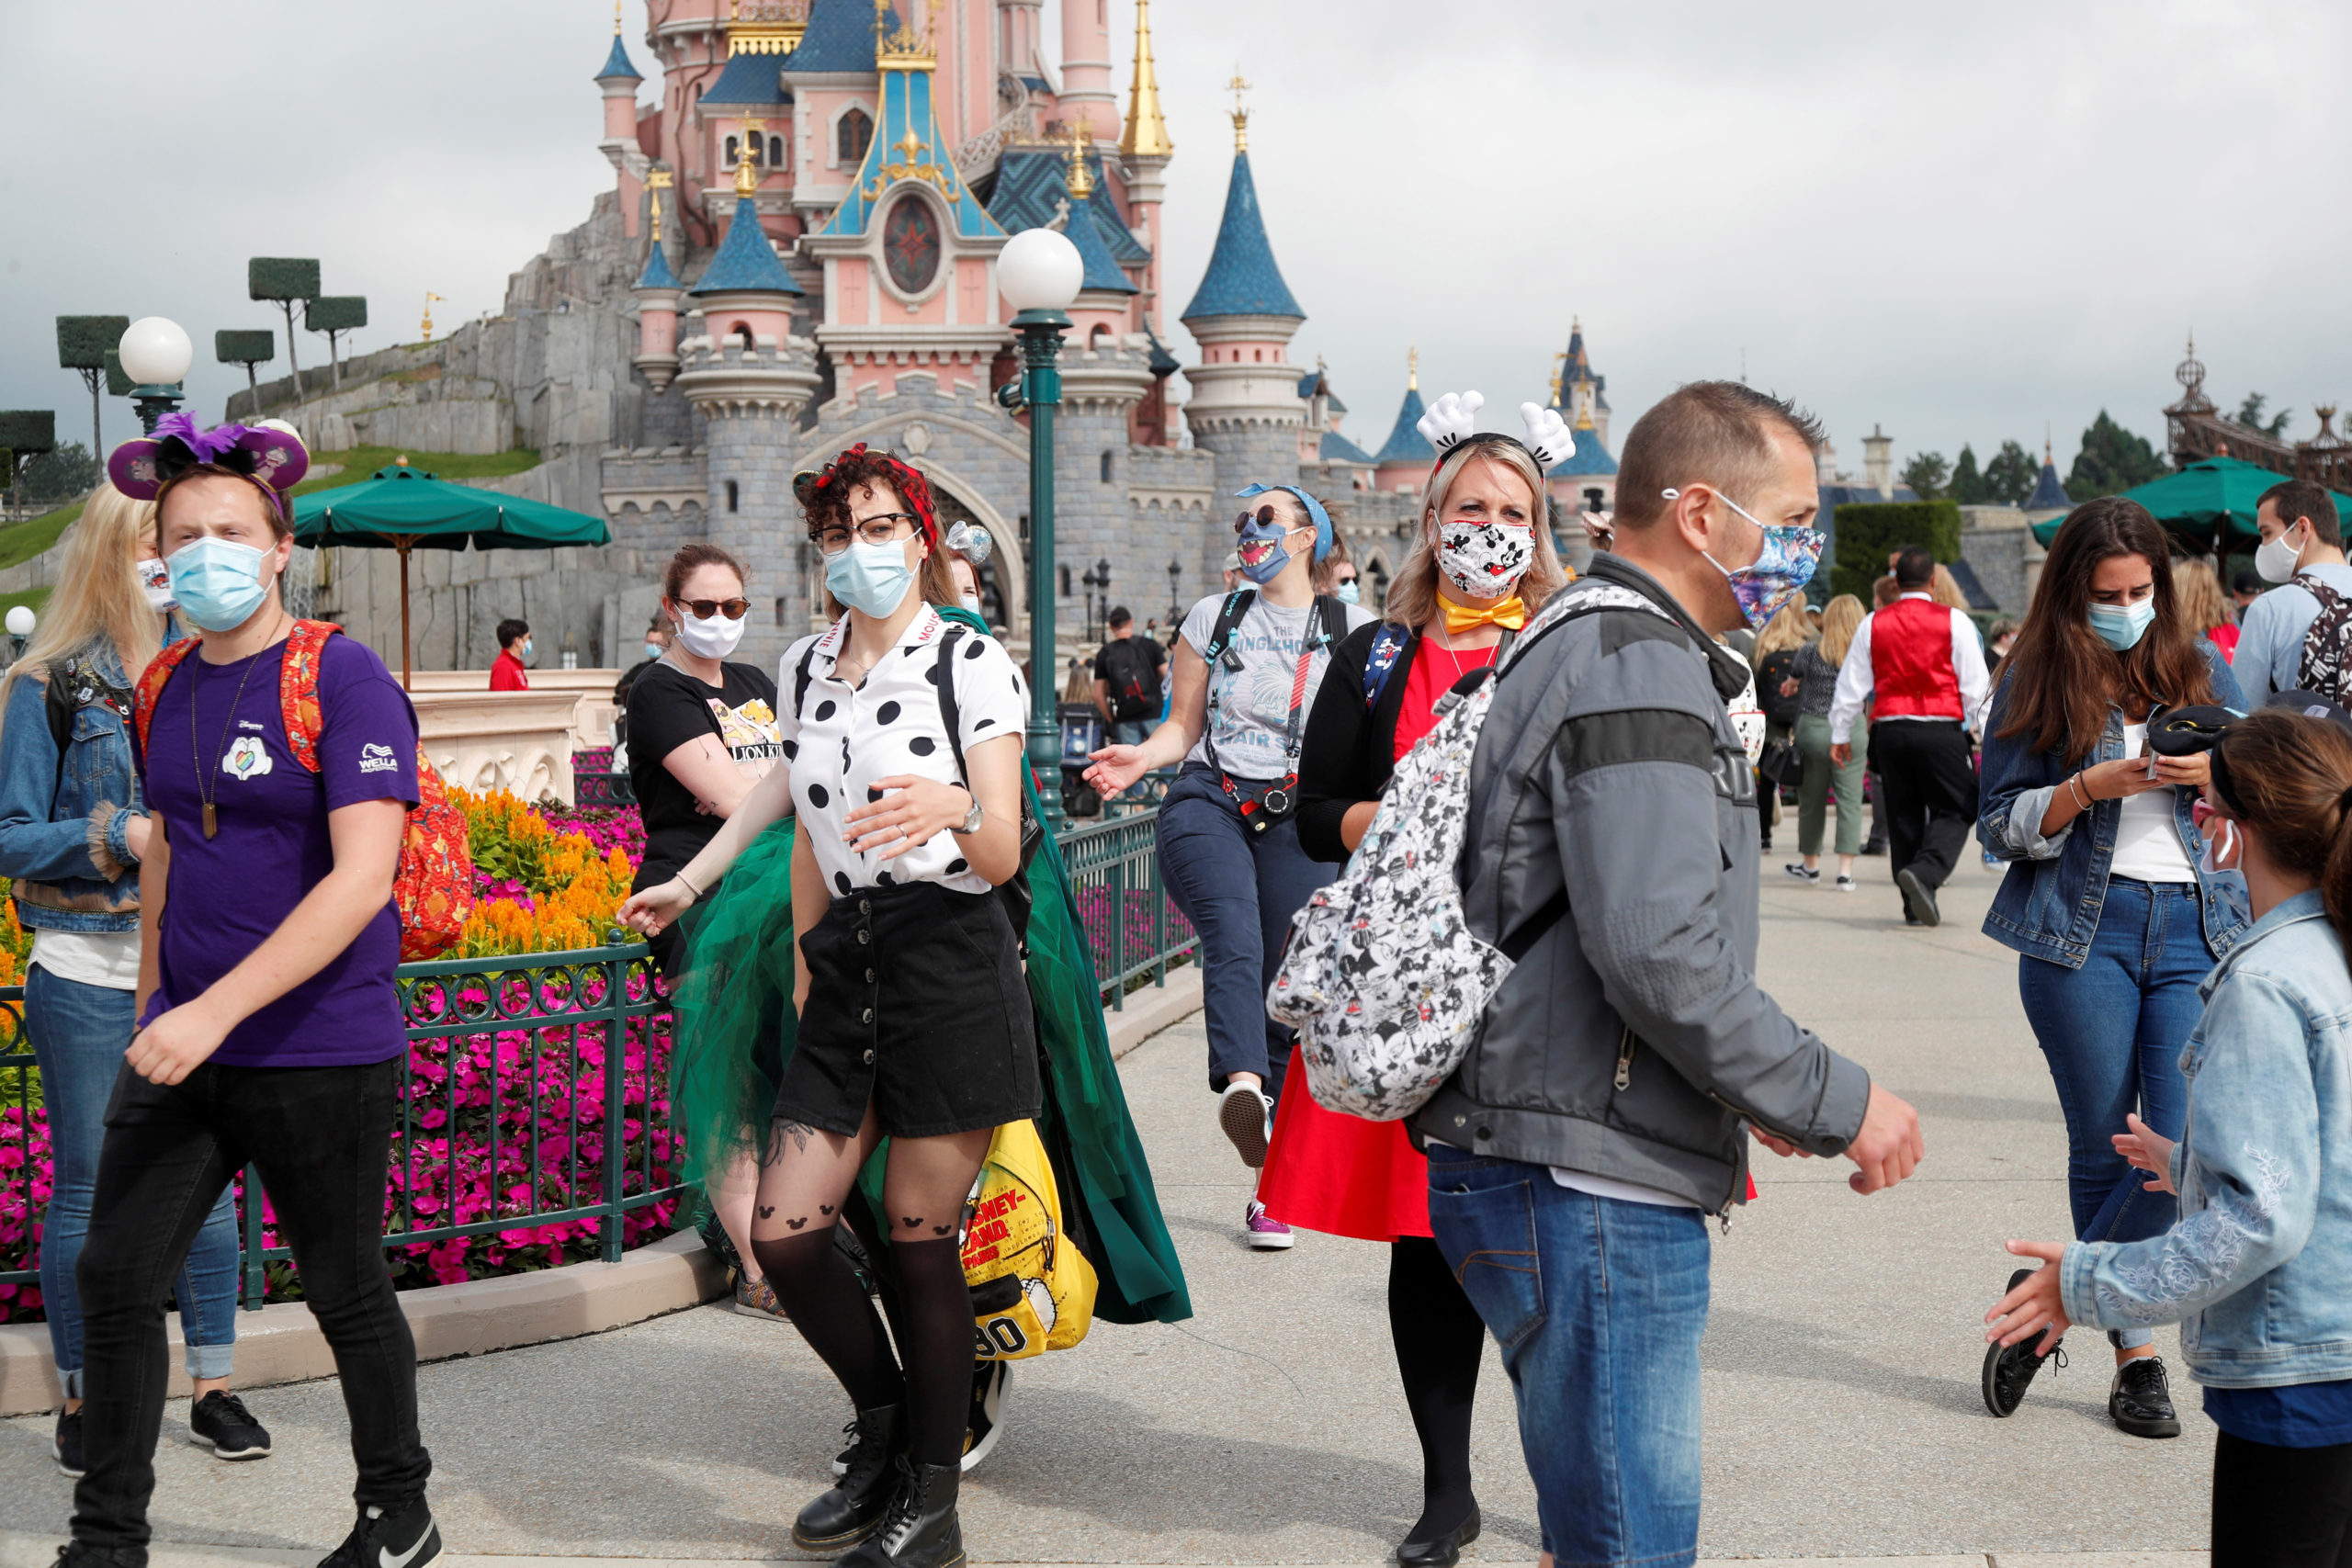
<point>1130,666</point>
<point>667,708</point>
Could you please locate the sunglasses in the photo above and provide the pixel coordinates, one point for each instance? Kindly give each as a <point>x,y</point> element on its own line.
<point>1265,517</point>
<point>704,609</point>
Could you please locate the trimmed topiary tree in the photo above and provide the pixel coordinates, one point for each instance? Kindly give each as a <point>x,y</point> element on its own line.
<point>1868,532</point>
<point>82,344</point>
<point>284,281</point>
<point>25,433</point>
<point>335,314</point>
<point>248,349</point>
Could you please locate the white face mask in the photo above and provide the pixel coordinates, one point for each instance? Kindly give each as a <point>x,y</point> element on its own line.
<point>2221,847</point>
<point>2278,560</point>
<point>713,638</point>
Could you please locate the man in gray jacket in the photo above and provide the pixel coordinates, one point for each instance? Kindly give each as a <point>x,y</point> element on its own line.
<point>1604,1112</point>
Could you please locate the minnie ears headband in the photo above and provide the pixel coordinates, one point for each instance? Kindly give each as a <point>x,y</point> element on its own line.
<point>270,453</point>
<point>808,489</point>
<point>1451,420</point>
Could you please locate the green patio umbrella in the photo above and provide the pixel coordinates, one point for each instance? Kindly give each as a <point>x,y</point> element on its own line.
<point>2206,502</point>
<point>403,509</point>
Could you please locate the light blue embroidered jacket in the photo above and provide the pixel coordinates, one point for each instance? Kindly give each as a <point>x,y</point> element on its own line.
<point>2258,1270</point>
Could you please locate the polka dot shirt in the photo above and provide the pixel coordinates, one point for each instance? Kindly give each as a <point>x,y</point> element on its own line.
<point>843,738</point>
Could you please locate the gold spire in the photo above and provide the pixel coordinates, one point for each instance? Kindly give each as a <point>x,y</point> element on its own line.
<point>1080,182</point>
<point>1557,360</point>
<point>656,182</point>
<point>1413,368</point>
<point>616,32</point>
<point>747,171</point>
<point>1583,414</point>
<point>1240,115</point>
<point>1146,132</point>
<point>429,298</point>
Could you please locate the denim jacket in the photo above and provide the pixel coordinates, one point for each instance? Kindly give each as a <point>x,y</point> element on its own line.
<point>2048,904</point>
<point>2258,1270</point>
<point>64,830</point>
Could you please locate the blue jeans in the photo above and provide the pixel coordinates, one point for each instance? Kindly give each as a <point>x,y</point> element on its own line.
<point>1598,1305</point>
<point>1131,731</point>
<point>2112,1031</point>
<point>79,1033</point>
<point>1239,890</point>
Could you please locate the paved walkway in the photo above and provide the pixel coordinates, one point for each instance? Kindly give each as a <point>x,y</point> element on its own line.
<point>1843,1419</point>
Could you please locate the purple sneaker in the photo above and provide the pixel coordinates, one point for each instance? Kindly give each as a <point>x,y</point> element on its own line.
<point>1262,1231</point>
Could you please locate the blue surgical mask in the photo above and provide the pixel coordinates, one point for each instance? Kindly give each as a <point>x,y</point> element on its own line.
<point>217,582</point>
<point>1347,593</point>
<point>525,651</point>
<point>872,577</point>
<point>2120,626</point>
<point>652,651</point>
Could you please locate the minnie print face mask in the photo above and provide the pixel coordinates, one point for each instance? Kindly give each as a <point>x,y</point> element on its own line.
<point>1484,560</point>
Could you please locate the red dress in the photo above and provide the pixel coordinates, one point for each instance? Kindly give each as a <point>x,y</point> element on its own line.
<point>1342,1174</point>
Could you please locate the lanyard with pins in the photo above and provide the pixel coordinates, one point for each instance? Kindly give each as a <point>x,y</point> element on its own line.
<point>208,784</point>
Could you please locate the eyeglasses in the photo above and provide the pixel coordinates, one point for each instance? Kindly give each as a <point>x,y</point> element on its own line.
<point>882,529</point>
<point>1265,516</point>
<point>704,609</point>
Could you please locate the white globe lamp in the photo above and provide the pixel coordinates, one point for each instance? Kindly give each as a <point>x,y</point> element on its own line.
<point>1039,269</point>
<point>155,352</point>
<point>21,620</point>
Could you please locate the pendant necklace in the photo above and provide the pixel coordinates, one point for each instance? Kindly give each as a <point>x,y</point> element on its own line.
<point>208,785</point>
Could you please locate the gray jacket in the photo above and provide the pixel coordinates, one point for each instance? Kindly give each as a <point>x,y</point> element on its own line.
<point>1631,1041</point>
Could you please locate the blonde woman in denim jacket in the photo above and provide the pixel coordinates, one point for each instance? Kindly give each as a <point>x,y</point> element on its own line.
<point>2114,920</point>
<point>2257,1270</point>
<point>73,832</point>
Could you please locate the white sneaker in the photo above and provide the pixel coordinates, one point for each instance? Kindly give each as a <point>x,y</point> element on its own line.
<point>1247,1117</point>
<point>1844,885</point>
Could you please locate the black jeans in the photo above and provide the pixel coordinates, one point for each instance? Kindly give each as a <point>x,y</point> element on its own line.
<point>1930,789</point>
<point>321,1138</point>
<point>2277,1508</point>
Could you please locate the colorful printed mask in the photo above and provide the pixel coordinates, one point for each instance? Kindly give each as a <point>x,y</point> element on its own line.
<point>1791,552</point>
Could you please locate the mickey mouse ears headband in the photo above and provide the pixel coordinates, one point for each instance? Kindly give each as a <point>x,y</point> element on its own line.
<point>861,463</point>
<point>1452,419</point>
<point>271,453</point>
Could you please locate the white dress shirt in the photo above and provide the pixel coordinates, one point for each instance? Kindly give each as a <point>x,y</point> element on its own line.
<point>1855,682</point>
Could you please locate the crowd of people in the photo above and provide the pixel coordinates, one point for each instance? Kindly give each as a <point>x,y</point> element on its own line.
<point>879,969</point>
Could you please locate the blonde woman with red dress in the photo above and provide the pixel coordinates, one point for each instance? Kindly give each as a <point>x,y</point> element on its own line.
<point>1484,564</point>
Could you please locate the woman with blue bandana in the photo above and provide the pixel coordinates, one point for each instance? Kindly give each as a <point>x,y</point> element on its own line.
<point>1247,667</point>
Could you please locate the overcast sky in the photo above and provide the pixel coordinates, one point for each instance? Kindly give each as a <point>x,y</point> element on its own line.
<point>1964,223</point>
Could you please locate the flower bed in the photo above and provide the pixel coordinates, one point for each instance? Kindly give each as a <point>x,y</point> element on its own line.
<point>512,1101</point>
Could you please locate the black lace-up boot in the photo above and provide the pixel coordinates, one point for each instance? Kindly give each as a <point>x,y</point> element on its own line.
<point>849,1513</point>
<point>2141,1400</point>
<point>2009,1370</point>
<point>922,1530</point>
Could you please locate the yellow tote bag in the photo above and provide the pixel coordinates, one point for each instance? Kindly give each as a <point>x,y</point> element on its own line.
<point>1031,1290</point>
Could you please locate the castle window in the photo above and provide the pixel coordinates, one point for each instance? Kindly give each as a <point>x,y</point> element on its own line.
<point>776,152</point>
<point>1257,354</point>
<point>743,335</point>
<point>910,244</point>
<point>732,145</point>
<point>1065,582</point>
<point>1106,467</point>
<point>732,497</point>
<point>783,609</point>
<point>852,136</point>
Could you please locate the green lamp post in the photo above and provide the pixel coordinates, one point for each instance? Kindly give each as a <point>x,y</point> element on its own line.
<point>1040,272</point>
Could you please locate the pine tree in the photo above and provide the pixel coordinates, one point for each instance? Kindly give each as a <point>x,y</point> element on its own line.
<point>1927,474</point>
<point>2009,476</point>
<point>2112,460</point>
<point>1967,483</point>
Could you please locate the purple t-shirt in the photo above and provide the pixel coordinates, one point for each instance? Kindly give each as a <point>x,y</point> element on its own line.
<point>227,894</point>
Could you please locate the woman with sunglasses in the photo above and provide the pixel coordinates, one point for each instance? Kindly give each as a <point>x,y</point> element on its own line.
<point>1483,564</point>
<point>1247,669</point>
<point>701,732</point>
<point>2114,909</point>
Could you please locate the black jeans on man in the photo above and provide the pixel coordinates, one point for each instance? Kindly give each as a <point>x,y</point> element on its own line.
<point>321,1138</point>
<point>1930,787</point>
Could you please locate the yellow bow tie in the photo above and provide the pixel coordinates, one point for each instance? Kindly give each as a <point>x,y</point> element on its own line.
<point>1460,618</point>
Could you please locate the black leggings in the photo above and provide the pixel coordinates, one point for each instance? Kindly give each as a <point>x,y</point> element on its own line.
<point>2277,1508</point>
<point>1438,1340</point>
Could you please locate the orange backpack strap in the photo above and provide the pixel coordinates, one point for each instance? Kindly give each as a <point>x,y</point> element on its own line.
<point>151,686</point>
<point>297,689</point>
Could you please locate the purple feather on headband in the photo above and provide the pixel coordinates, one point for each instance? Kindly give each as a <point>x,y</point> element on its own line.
<point>208,446</point>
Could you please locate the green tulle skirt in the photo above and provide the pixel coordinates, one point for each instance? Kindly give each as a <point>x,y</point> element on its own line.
<point>735,1029</point>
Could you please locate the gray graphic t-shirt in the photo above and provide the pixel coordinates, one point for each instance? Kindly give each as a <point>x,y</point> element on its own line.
<point>1251,705</point>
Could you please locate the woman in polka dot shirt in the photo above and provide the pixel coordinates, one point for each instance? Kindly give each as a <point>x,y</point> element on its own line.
<point>902,735</point>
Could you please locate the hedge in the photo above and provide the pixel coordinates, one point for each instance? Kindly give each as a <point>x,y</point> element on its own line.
<point>1868,532</point>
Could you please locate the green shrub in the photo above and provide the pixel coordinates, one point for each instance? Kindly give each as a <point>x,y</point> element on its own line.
<point>1868,532</point>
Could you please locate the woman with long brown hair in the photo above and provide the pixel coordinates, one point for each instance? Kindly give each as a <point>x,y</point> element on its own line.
<point>2108,900</point>
<point>1816,673</point>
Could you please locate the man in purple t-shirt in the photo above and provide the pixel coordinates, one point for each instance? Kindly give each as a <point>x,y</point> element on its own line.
<point>269,1028</point>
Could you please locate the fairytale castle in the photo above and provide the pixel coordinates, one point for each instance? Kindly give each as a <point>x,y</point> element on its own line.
<point>798,253</point>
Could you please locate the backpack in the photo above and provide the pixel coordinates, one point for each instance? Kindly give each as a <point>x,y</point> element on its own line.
<point>432,891</point>
<point>2326,666</point>
<point>1033,1289</point>
<point>1389,644</point>
<point>1381,974</point>
<point>1127,669</point>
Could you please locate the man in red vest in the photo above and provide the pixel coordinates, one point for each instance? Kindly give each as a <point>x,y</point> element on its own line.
<point>1925,665</point>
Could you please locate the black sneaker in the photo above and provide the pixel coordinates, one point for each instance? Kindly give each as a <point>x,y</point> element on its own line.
<point>1919,898</point>
<point>2009,1369</point>
<point>403,1537</point>
<point>2141,1401</point>
<point>1797,872</point>
<point>80,1555</point>
<point>984,1423</point>
<point>221,1422</point>
<point>66,1446</point>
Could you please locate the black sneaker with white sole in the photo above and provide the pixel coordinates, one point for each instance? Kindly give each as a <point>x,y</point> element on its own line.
<point>2140,1400</point>
<point>405,1537</point>
<point>65,1446</point>
<point>1797,872</point>
<point>1919,898</point>
<point>1247,1117</point>
<point>221,1422</point>
<point>2009,1370</point>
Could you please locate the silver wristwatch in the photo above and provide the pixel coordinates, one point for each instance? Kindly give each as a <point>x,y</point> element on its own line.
<point>972,821</point>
